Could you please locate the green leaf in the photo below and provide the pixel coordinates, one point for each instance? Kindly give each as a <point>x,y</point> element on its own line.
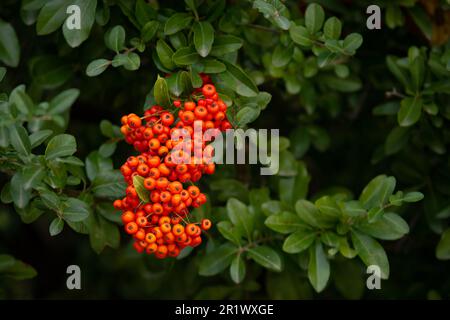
<point>2,73</point>
<point>177,22</point>
<point>102,233</point>
<point>309,214</point>
<point>371,252</point>
<point>9,45</point>
<point>396,140</point>
<point>241,218</point>
<point>130,61</point>
<point>388,227</point>
<point>273,10</point>
<point>413,197</point>
<point>19,139</point>
<point>161,92</point>
<point>203,37</point>
<point>299,241</point>
<point>165,54</point>
<point>15,269</point>
<point>443,247</point>
<point>144,12</point>
<point>282,55</point>
<point>52,16</point>
<point>149,30</point>
<point>56,226</point>
<point>108,184</point>
<point>115,38</point>
<point>399,73</point>
<point>377,191</point>
<point>314,17</point>
<point>107,149</point>
<point>50,200</point>
<point>247,115</point>
<point>284,222</point>
<point>32,175</point>
<point>266,257</point>
<point>422,20</point>
<point>96,67</point>
<point>239,80</point>
<point>138,183</point>
<point>318,268</point>
<point>237,269</point>
<point>410,111</point>
<point>224,44</point>
<point>63,101</point>
<point>300,35</point>
<point>19,194</point>
<point>416,67</point>
<point>217,260</point>
<point>332,28</point>
<point>352,208</point>
<point>213,66</point>
<point>185,56</point>
<point>62,145</point>
<point>352,42</point>
<point>341,85</point>
<point>21,100</point>
<point>328,207</point>
<point>229,232</point>
<point>75,210</point>
<point>76,36</point>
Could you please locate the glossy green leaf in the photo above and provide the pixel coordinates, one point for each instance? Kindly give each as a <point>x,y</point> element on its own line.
<point>203,37</point>
<point>115,38</point>
<point>371,252</point>
<point>56,226</point>
<point>314,17</point>
<point>19,139</point>
<point>318,268</point>
<point>165,54</point>
<point>410,111</point>
<point>9,45</point>
<point>299,241</point>
<point>237,269</point>
<point>389,227</point>
<point>224,44</point>
<point>177,22</point>
<point>161,92</point>
<point>217,260</point>
<point>76,36</point>
<point>266,257</point>
<point>332,28</point>
<point>75,210</point>
<point>96,67</point>
<point>284,222</point>
<point>62,145</point>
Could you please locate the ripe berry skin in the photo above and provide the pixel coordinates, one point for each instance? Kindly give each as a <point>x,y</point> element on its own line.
<point>131,227</point>
<point>206,224</point>
<point>149,183</point>
<point>150,237</point>
<point>191,229</point>
<point>208,90</point>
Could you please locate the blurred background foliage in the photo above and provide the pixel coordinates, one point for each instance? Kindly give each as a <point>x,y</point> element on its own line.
<point>362,113</point>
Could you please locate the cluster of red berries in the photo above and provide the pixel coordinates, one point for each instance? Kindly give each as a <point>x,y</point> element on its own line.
<point>167,160</point>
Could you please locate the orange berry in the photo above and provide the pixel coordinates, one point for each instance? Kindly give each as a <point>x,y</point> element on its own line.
<point>141,221</point>
<point>131,227</point>
<point>206,224</point>
<point>149,183</point>
<point>150,237</point>
<point>191,229</point>
<point>178,229</point>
